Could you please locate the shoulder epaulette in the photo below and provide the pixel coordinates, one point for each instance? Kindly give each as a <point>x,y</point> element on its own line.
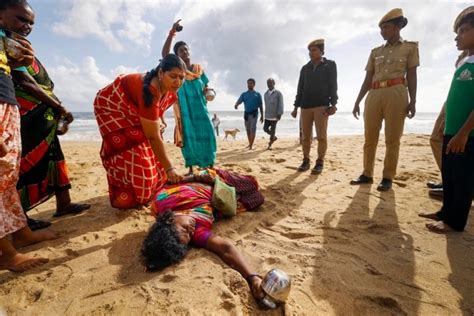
<point>411,42</point>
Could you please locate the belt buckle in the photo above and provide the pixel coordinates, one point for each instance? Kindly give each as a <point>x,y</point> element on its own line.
<point>383,84</point>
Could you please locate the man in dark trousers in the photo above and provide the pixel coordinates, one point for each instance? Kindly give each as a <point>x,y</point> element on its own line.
<point>457,166</point>
<point>273,110</point>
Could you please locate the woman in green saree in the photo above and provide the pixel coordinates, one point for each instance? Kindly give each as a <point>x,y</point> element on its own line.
<point>198,139</point>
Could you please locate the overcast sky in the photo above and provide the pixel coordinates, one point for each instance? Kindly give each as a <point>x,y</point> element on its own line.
<point>84,44</point>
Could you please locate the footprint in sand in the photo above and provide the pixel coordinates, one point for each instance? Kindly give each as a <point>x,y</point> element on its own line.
<point>377,305</point>
<point>168,278</point>
<point>34,294</point>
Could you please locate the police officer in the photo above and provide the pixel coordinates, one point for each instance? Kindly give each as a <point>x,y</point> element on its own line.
<point>391,68</point>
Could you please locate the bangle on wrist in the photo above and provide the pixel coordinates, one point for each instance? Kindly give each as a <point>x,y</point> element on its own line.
<point>250,277</point>
<point>169,169</point>
<point>172,32</point>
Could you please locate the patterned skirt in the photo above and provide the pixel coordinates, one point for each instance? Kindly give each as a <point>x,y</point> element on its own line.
<point>43,170</point>
<point>12,217</point>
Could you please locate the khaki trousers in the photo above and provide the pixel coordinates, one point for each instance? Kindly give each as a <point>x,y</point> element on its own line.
<point>387,105</point>
<point>317,117</point>
<point>436,139</point>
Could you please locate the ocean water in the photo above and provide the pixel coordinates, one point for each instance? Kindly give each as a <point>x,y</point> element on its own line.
<point>84,127</point>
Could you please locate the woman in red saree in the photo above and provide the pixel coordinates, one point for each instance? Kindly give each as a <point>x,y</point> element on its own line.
<point>128,112</point>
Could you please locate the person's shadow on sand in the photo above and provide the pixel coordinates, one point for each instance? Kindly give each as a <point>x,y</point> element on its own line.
<point>460,250</point>
<point>367,264</point>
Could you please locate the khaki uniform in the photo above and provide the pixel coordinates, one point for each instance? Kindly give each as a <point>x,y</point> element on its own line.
<point>436,138</point>
<point>388,104</point>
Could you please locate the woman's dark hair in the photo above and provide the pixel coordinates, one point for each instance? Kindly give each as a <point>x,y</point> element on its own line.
<point>468,18</point>
<point>5,4</point>
<point>401,21</point>
<point>177,46</point>
<point>166,64</point>
<point>161,248</point>
<point>251,79</point>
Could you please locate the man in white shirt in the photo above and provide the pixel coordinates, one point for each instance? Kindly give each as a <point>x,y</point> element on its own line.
<point>273,110</point>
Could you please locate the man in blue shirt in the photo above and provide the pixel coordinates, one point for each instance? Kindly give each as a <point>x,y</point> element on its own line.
<point>252,102</point>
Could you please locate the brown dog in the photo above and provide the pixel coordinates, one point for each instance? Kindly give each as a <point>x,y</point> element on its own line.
<point>233,132</point>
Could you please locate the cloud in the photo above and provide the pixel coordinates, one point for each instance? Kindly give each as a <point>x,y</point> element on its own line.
<point>77,84</point>
<point>119,24</point>
<point>235,40</point>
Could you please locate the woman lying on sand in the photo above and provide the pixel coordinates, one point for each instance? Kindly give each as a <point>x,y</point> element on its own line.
<point>185,216</point>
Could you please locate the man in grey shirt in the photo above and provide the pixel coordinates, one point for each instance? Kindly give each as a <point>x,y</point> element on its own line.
<point>273,110</point>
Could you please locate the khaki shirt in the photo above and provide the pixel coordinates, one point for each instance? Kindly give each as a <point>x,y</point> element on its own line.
<point>391,61</point>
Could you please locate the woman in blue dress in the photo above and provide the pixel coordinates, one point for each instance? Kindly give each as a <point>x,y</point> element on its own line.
<point>198,141</point>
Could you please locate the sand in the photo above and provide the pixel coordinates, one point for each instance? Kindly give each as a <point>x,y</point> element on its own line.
<point>349,250</point>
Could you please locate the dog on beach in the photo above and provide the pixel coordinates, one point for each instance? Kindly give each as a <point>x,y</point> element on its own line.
<point>233,132</point>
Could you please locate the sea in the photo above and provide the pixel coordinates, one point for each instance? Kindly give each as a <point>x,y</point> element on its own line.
<point>84,127</point>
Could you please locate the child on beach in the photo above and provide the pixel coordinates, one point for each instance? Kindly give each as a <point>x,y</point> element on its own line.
<point>458,144</point>
<point>185,216</point>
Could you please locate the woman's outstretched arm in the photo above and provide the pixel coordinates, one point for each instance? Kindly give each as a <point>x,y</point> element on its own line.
<point>167,46</point>
<point>234,259</point>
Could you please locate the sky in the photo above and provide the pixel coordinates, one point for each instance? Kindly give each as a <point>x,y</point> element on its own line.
<point>85,44</point>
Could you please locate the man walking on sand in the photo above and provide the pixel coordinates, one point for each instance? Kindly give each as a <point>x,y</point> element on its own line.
<point>273,110</point>
<point>252,103</point>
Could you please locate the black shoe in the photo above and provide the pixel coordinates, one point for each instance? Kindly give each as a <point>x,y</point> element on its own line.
<point>385,185</point>
<point>436,193</point>
<point>362,180</point>
<point>35,224</point>
<point>304,166</point>
<point>434,185</point>
<point>317,169</point>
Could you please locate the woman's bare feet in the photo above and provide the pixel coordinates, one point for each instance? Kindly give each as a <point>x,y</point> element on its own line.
<point>432,216</point>
<point>19,262</point>
<point>25,237</point>
<point>439,227</point>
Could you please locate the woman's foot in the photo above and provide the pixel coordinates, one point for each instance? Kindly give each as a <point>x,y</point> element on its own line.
<point>19,262</point>
<point>25,237</point>
<point>439,227</point>
<point>433,216</point>
<point>71,208</point>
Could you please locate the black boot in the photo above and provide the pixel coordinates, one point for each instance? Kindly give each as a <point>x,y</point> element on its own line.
<point>304,166</point>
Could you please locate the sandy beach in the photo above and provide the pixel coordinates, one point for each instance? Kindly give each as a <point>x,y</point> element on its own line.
<point>349,250</point>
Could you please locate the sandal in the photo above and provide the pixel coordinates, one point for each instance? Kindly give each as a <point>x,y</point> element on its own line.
<point>36,224</point>
<point>72,209</point>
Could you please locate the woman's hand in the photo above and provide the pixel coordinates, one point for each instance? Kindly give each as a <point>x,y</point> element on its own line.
<point>27,54</point>
<point>3,148</point>
<point>173,176</point>
<point>255,284</point>
<point>68,117</point>
<point>204,178</point>
<point>176,26</point>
